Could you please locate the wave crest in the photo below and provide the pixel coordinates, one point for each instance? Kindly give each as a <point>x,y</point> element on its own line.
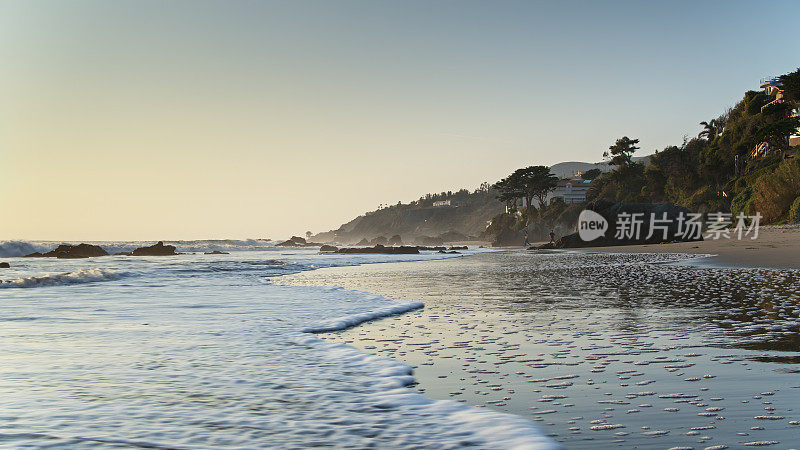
<point>81,276</point>
<point>21,248</point>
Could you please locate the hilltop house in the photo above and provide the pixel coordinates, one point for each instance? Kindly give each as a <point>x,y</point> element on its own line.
<point>448,204</point>
<point>571,190</point>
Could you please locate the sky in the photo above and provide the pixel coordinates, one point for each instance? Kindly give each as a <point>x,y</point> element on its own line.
<point>149,120</point>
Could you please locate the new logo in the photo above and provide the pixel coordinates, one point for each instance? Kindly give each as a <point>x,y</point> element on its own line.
<point>591,225</point>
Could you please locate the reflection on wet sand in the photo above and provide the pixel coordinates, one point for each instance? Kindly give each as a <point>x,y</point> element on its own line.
<point>600,349</point>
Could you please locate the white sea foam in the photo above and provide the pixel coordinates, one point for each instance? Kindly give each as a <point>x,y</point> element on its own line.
<point>340,323</point>
<point>80,276</point>
<point>487,428</point>
<point>22,248</point>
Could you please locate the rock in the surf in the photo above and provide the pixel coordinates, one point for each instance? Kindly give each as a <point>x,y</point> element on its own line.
<point>68,251</point>
<point>159,249</point>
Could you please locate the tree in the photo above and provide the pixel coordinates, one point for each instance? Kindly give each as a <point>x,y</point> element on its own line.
<point>620,153</point>
<point>537,181</point>
<point>527,183</point>
<point>714,127</point>
<point>776,134</point>
<point>710,130</point>
<point>509,190</point>
<point>791,86</point>
<point>591,174</point>
<point>779,124</point>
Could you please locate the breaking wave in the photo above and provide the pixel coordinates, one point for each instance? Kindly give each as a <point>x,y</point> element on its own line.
<point>81,276</point>
<point>21,248</point>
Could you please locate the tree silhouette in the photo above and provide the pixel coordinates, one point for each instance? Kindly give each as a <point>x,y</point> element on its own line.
<point>620,153</point>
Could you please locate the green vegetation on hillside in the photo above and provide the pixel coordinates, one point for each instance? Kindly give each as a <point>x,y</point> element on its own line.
<point>741,161</point>
<point>421,222</point>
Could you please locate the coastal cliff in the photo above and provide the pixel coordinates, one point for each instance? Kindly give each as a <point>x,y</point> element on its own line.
<point>431,220</point>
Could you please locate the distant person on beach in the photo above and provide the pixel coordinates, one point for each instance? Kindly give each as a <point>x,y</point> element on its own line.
<point>552,236</point>
<point>527,242</point>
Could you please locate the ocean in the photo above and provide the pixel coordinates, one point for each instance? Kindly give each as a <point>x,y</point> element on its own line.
<point>208,351</point>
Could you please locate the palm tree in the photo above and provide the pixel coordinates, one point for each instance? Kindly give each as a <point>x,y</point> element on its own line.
<point>709,130</point>
<point>714,128</point>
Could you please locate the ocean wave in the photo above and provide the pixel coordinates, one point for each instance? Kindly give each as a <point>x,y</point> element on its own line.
<point>340,323</point>
<point>78,277</point>
<point>389,378</point>
<point>205,245</point>
<point>21,248</point>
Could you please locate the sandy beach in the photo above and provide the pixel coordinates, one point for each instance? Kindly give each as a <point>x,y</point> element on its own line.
<point>777,247</point>
<point>599,348</point>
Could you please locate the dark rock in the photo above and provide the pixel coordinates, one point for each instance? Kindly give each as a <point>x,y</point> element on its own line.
<point>216,252</point>
<point>451,252</point>
<point>295,241</point>
<point>5,265</point>
<point>402,250</point>
<point>395,240</point>
<point>610,211</point>
<point>328,248</point>
<point>463,247</point>
<point>159,249</point>
<point>431,249</point>
<point>508,238</point>
<point>68,251</point>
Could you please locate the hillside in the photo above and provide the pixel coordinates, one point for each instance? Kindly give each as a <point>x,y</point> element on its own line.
<point>422,222</point>
<point>420,219</point>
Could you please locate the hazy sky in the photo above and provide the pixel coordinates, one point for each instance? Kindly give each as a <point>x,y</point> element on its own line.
<point>190,119</point>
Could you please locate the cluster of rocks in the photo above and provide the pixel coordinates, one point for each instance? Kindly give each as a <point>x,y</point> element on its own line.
<point>395,240</point>
<point>428,241</point>
<point>297,241</point>
<point>390,250</point>
<point>68,251</point>
<point>5,265</point>
<point>400,250</point>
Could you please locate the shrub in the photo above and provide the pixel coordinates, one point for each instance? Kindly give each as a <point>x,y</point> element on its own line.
<point>774,193</point>
<point>742,202</point>
<point>794,211</point>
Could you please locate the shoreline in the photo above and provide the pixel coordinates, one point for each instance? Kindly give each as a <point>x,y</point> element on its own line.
<point>777,247</point>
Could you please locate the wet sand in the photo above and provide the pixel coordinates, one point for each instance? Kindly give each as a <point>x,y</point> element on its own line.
<point>602,350</point>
